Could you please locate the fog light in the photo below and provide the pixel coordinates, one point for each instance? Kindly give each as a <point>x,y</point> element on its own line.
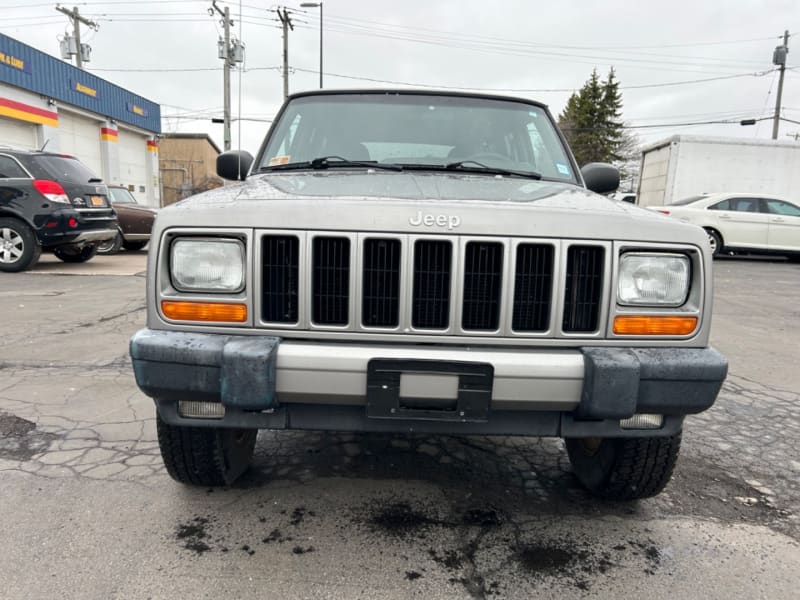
<point>642,422</point>
<point>200,410</point>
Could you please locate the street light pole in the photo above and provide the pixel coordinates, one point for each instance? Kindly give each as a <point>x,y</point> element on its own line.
<point>315,5</point>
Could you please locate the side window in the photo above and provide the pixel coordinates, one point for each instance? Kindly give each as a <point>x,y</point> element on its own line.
<point>778,207</point>
<point>724,205</point>
<point>746,204</point>
<point>10,168</point>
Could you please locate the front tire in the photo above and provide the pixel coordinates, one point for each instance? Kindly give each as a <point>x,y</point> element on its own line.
<point>624,468</point>
<point>19,249</point>
<point>70,254</point>
<point>205,456</point>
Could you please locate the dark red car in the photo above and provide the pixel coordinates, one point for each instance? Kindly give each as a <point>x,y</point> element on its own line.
<point>135,222</point>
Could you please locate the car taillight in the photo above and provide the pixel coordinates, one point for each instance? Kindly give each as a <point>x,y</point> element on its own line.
<point>51,190</point>
<point>664,212</point>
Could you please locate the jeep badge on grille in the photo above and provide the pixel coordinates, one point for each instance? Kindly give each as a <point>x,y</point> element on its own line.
<point>449,221</point>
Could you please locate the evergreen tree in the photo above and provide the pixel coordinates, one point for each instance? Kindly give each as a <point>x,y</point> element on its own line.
<point>592,122</point>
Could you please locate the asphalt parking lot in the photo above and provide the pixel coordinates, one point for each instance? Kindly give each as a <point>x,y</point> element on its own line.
<point>87,510</point>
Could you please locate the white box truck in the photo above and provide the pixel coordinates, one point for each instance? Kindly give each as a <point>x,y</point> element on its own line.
<point>687,165</point>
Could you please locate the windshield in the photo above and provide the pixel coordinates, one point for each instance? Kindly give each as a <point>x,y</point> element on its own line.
<point>66,168</point>
<point>421,130</point>
<point>121,196</point>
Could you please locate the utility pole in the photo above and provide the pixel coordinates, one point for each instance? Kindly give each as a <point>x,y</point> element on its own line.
<point>77,19</point>
<point>287,25</point>
<point>225,55</point>
<point>779,58</point>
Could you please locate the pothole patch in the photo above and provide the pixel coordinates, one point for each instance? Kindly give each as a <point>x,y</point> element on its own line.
<point>19,438</point>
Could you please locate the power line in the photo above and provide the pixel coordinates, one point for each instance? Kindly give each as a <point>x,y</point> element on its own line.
<point>640,63</point>
<point>448,39</point>
<point>522,42</point>
<point>50,4</point>
<point>727,114</point>
<point>156,70</point>
<point>32,23</point>
<point>529,90</point>
<point>346,26</point>
<point>669,125</point>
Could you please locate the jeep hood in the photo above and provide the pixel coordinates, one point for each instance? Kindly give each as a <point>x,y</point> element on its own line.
<point>337,200</point>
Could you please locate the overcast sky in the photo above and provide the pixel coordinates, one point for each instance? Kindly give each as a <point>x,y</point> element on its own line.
<point>166,50</point>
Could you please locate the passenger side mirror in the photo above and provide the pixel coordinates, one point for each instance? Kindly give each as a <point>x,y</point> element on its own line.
<point>600,177</point>
<point>234,164</point>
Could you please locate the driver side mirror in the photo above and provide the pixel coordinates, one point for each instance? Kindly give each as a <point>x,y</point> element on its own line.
<point>234,164</point>
<point>601,178</point>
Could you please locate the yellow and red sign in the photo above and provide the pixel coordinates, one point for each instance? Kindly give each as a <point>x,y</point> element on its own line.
<point>26,112</point>
<point>83,89</point>
<point>152,146</point>
<point>109,135</point>
<point>14,62</point>
<point>136,109</point>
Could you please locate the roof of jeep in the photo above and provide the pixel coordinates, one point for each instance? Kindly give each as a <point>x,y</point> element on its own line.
<point>415,92</point>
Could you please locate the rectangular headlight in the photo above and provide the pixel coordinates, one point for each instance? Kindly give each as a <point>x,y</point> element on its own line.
<point>653,279</point>
<point>207,265</point>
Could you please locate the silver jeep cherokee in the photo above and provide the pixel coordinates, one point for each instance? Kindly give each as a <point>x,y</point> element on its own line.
<point>405,261</point>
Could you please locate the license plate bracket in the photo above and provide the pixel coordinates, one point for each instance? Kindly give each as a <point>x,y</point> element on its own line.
<point>475,381</point>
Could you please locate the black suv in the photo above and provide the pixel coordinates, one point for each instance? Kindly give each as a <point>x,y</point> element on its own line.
<point>50,202</point>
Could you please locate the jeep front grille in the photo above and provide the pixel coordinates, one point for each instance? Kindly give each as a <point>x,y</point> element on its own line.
<point>432,274</point>
<point>331,281</point>
<point>583,289</point>
<point>533,287</point>
<point>280,278</point>
<point>483,281</point>
<point>380,298</point>
<point>451,285</point>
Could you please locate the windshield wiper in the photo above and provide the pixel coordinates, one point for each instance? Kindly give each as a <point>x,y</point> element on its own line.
<point>473,166</point>
<point>326,162</point>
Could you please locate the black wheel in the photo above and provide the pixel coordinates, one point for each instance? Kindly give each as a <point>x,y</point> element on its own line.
<point>208,456</point>
<point>19,249</point>
<point>715,240</point>
<point>111,246</point>
<point>624,468</point>
<point>134,245</point>
<point>71,254</point>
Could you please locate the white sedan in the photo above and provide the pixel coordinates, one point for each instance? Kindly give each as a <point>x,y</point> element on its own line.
<point>753,223</point>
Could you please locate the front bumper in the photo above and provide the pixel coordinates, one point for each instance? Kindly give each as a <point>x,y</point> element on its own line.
<point>267,382</point>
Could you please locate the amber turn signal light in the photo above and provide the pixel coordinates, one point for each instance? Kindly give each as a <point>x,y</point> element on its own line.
<point>654,325</point>
<point>204,311</point>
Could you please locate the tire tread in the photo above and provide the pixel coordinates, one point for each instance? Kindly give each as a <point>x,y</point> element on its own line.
<point>192,454</point>
<point>639,468</point>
